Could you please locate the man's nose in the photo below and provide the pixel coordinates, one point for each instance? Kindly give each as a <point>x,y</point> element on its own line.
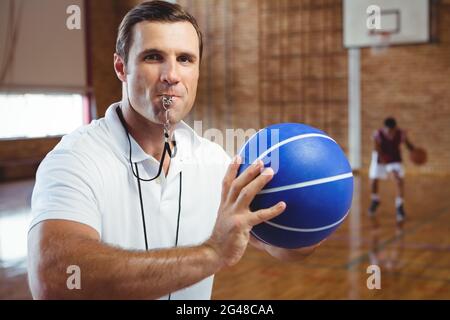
<point>169,73</point>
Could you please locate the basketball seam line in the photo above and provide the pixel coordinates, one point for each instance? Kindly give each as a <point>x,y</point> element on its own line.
<point>301,136</point>
<point>308,183</point>
<point>257,237</point>
<point>291,139</point>
<point>279,226</point>
<point>245,144</point>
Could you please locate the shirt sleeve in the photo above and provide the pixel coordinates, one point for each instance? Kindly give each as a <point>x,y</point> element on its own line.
<point>66,189</point>
<point>376,135</point>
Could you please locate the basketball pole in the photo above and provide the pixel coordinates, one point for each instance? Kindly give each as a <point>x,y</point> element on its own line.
<point>354,108</point>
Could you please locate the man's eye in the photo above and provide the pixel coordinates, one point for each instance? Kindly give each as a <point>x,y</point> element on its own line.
<point>152,57</point>
<point>184,59</point>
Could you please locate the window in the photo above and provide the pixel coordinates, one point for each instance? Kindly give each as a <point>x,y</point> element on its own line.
<point>40,115</point>
<point>13,237</point>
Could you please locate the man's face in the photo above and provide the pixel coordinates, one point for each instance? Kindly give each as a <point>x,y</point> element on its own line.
<point>391,130</point>
<point>163,60</point>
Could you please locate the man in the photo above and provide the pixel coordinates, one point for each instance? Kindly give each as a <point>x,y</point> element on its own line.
<point>135,201</point>
<point>386,159</point>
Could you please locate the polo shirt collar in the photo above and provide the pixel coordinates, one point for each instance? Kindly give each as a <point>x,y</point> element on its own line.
<point>187,139</point>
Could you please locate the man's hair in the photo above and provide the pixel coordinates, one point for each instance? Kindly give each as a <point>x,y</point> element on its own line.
<point>390,123</point>
<point>154,11</point>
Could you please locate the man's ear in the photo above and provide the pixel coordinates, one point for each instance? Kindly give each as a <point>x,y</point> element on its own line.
<point>120,68</point>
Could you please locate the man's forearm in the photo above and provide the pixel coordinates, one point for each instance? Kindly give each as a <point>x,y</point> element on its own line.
<point>112,273</point>
<point>409,145</point>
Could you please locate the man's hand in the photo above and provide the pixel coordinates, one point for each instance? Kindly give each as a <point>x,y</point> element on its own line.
<point>232,230</point>
<point>292,255</point>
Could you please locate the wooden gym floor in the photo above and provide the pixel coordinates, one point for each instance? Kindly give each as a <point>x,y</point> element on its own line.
<point>414,259</point>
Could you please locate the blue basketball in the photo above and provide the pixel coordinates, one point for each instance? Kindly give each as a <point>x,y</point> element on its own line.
<point>312,176</point>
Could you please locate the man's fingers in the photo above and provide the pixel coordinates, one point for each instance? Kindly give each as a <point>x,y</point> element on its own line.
<point>230,175</point>
<point>262,215</point>
<point>249,192</point>
<point>244,179</point>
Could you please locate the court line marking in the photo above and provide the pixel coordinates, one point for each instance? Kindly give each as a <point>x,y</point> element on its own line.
<point>383,244</point>
<point>348,266</point>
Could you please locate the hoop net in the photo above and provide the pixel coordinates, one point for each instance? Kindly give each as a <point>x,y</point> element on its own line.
<point>381,42</point>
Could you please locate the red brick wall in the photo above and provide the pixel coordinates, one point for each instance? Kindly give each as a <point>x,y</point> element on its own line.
<point>271,61</point>
<point>411,83</point>
<point>105,17</point>
<point>268,61</point>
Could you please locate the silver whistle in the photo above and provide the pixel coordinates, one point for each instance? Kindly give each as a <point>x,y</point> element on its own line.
<point>166,101</point>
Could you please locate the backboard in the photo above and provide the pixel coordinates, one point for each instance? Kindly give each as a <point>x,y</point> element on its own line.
<point>365,22</point>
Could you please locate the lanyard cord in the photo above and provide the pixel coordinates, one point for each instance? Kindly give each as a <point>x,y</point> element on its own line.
<point>142,207</point>
<point>139,179</point>
<point>166,148</point>
<point>179,214</point>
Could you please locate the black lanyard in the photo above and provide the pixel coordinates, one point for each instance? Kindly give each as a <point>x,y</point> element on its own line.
<point>166,148</point>
<point>139,179</point>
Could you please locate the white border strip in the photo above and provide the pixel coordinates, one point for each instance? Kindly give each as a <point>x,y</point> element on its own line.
<point>308,183</point>
<point>279,226</point>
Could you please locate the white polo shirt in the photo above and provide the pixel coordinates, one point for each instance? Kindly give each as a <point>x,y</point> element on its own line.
<point>87,178</point>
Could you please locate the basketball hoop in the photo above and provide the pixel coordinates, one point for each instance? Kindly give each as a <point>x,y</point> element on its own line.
<point>381,41</point>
